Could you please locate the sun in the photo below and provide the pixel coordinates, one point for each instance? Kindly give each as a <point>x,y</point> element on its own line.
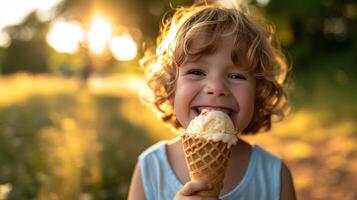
<point>66,37</point>
<point>99,33</point>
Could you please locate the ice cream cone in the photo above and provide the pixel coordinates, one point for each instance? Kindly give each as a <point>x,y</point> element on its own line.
<point>206,143</point>
<point>207,160</point>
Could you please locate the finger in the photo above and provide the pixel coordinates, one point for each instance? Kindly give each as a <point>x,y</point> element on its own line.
<point>191,187</point>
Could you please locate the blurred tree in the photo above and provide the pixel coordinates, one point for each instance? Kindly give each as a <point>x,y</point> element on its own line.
<point>28,50</point>
<point>141,19</point>
<point>1,55</point>
<point>317,33</point>
<point>313,32</point>
<point>135,16</point>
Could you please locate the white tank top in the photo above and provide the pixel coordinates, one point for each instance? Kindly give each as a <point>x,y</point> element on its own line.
<point>260,182</point>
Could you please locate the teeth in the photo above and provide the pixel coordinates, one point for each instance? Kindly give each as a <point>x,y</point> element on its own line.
<point>225,110</point>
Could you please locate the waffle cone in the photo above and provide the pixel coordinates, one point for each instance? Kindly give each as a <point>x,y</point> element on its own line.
<point>207,160</point>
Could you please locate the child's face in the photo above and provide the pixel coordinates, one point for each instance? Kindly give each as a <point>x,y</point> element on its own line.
<point>215,82</point>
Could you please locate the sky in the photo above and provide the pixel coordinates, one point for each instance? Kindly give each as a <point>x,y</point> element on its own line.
<point>13,11</point>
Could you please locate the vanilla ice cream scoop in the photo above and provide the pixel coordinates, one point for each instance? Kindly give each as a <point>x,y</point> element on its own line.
<point>213,125</point>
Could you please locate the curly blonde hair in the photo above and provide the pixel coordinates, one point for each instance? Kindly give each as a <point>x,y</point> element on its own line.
<point>254,42</point>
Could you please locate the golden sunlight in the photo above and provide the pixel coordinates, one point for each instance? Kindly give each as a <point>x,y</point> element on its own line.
<point>99,34</point>
<point>65,36</point>
<point>123,47</point>
<point>5,189</point>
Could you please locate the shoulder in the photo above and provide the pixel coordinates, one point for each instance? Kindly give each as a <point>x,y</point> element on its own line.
<point>149,170</point>
<point>268,164</point>
<point>265,158</point>
<point>152,160</point>
<point>154,150</point>
<point>136,190</point>
<point>267,171</point>
<point>287,184</point>
<point>162,151</point>
<point>158,179</point>
<point>278,169</point>
<point>285,173</point>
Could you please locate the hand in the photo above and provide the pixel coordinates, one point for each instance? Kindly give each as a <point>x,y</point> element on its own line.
<point>189,190</point>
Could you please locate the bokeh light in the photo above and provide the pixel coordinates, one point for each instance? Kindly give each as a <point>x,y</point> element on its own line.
<point>123,47</point>
<point>65,36</point>
<point>99,34</point>
<point>4,39</point>
<point>263,2</point>
<point>81,104</point>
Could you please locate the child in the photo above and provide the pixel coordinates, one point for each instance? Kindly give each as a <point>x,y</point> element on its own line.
<point>220,58</point>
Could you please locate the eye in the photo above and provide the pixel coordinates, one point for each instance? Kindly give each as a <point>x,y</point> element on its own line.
<point>237,76</point>
<point>196,72</point>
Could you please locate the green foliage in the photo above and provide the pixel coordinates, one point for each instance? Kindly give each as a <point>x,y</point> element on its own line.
<point>120,141</point>
<point>28,50</point>
<point>58,142</point>
<point>1,55</point>
<point>66,146</point>
<point>317,31</point>
<point>21,156</point>
<point>310,31</point>
<point>30,56</point>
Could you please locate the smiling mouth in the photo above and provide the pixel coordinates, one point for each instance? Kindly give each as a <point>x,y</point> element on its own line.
<point>199,109</point>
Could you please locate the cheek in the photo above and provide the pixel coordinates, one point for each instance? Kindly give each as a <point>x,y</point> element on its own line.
<point>250,110</point>
<point>247,106</point>
<point>181,102</point>
<point>246,103</point>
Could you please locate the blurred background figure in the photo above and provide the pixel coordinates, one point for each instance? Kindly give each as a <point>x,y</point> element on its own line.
<point>72,125</point>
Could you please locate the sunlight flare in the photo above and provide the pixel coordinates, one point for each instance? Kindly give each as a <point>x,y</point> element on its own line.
<point>99,34</point>
<point>65,36</point>
<point>123,47</point>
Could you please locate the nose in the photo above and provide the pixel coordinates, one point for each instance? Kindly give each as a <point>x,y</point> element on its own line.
<point>216,88</point>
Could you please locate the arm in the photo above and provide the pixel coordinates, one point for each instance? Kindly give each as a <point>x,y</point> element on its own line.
<point>136,190</point>
<point>287,191</point>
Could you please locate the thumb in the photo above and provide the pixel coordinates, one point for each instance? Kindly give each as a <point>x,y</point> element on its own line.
<point>192,187</point>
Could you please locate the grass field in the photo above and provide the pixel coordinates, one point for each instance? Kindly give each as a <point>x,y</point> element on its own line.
<point>62,140</point>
